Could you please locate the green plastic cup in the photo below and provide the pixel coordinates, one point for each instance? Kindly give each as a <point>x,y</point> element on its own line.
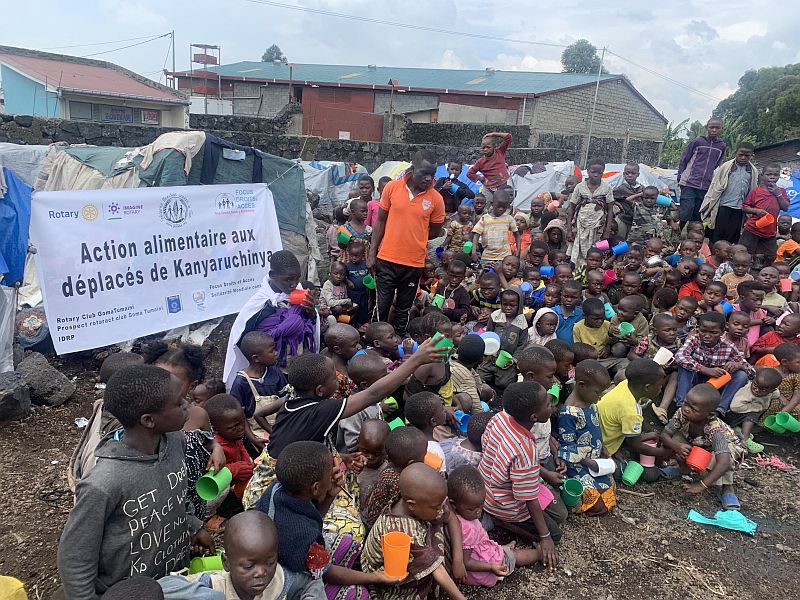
<point>626,328</point>
<point>467,248</point>
<point>787,421</point>
<point>504,359</point>
<point>398,422</point>
<point>633,470</point>
<point>571,492</point>
<point>441,341</point>
<point>438,301</point>
<point>368,281</point>
<point>343,238</point>
<point>200,564</point>
<point>211,485</point>
<point>771,423</point>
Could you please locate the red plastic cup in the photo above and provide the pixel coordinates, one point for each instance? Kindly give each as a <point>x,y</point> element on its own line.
<point>767,219</point>
<point>298,296</point>
<point>698,459</point>
<point>786,285</point>
<point>609,277</point>
<point>721,381</point>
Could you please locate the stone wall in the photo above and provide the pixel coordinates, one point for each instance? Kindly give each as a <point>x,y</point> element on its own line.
<point>462,135</point>
<point>266,136</point>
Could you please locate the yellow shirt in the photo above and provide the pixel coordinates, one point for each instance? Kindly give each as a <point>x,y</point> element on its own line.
<point>620,416</point>
<point>597,337</point>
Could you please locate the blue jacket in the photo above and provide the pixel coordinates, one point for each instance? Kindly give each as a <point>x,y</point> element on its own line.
<point>698,161</point>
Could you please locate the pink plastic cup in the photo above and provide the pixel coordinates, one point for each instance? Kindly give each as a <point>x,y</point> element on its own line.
<point>645,459</point>
<point>602,245</point>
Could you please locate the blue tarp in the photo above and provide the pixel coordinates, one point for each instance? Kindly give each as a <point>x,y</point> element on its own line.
<point>15,218</point>
<point>441,171</point>
<point>793,191</point>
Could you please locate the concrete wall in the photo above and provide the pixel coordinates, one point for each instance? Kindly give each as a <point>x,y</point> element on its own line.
<point>459,113</point>
<point>250,99</point>
<point>405,102</point>
<point>25,96</point>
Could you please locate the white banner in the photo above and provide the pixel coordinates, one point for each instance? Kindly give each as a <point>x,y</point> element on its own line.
<point>119,264</point>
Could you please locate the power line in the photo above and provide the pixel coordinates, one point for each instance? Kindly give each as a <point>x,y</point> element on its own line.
<point>166,57</point>
<point>329,13</point>
<point>363,19</point>
<point>97,43</point>
<point>125,47</point>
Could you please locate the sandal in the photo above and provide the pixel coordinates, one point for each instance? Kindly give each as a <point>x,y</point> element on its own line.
<point>730,501</point>
<point>774,461</point>
<point>661,414</point>
<point>753,447</point>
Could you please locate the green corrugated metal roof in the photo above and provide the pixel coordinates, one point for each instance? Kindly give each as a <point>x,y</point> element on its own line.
<point>498,82</point>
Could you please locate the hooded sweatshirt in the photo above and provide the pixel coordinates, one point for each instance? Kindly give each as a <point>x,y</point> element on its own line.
<point>514,333</point>
<point>698,161</point>
<point>131,517</point>
<point>534,337</point>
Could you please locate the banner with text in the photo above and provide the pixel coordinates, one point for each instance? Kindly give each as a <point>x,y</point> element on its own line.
<point>119,264</point>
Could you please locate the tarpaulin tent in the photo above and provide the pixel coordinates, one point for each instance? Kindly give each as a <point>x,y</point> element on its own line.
<point>529,186</point>
<point>331,181</point>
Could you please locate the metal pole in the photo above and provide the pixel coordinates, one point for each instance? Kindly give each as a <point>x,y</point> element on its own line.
<point>594,107</point>
<point>174,77</point>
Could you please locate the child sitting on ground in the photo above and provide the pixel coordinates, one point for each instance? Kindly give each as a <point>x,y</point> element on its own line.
<point>382,338</point>
<point>418,513</point>
<point>713,296</point>
<point>736,331</point>
<point>364,369</point>
<point>664,301</point>
<point>784,228</point>
<point>306,485</point>
<point>569,311</point>
<point>581,441</point>
<point>424,410</point>
<point>459,229</point>
<point>741,264</point>
<point>404,446</point>
<point>697,286</point>
<point>508,271</point>
<point>751,300</point>
<point>260,388</point>
<point>595,287</point>
<point>510,468</point>
<point>696,423</point>
<point>461,451</point>
<point>228,422</point>
<point>250,562</point>
<point>456,296</point>
<point>629,310</point>
<point>512,327</point>
<point>705,355</point>
<point>684,313</point>
<point>788,356</point>
<point>786,332</point>
<point>467,383</point>
<point>485,560</point>
<point>334,293</point>
<point>727,266</point>
<point>342,342</point>
<point>790,248</point>
<point>100,544</point>
<point>593,328</point>
<point>543,327</point>
<point>720,251</point>
<point>372,446</point>
<point>751,402</point>
<point>485,299</point>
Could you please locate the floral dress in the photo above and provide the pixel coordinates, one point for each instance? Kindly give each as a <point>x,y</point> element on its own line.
<point>580,437</point>
<point>361,236</point>
<point>789,385</point>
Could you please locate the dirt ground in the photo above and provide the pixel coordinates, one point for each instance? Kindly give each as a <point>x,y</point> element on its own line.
<point>645,549</point>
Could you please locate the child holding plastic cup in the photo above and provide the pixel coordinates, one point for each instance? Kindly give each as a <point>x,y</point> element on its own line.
<point>628,328</point>
<point>459,229</point>
<point>649,216</point>
<point>357,290</point>
<point>751,402</point>
<point>228,422</point>
<point>705,356</point>
<point>762,207</point>
<point>581,440</point>
<point>355,230</point>
<point>424,410</point>
<point>484,559</point>
<point>421,513</point>
<point>307,483</point>
<point>788,355</point>
<point>696,423</point>
<point>512,327</point>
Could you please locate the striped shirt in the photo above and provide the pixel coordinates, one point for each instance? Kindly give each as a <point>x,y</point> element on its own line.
<point>494,235</point>
<point>510,468</point>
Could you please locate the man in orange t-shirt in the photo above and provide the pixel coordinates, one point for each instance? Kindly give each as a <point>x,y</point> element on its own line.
<point>410,213</point>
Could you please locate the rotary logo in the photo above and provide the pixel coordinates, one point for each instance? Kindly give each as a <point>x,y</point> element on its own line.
<point>90,212</point>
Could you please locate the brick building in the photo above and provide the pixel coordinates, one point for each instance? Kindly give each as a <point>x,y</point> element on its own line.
<point>351,102</point>
<point>785,153</point>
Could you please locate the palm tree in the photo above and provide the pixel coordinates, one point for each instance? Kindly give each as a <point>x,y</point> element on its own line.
<point>674,142</point>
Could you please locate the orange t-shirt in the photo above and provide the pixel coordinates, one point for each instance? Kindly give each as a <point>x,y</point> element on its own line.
<point>405,237</point>
<point>787,250</point>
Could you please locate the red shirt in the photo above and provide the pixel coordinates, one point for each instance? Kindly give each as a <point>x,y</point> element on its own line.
<point>237,458</point>
<point>493,167</point>
<point>690,289</point>
<point>771,339</point>
<point>762,198</point>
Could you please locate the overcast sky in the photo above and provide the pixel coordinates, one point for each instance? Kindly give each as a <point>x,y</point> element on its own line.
<point>692,41</point>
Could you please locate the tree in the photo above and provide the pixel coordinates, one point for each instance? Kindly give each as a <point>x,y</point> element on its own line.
<point>765,106</point>
<point>580,57</point>
<point>674,143</point>
<point>274,53</point>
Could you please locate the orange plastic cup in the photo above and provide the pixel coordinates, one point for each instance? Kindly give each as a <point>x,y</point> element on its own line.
<point>767,219</point>
<point>298,296</point>
<point>433,461</point>
<point>698,459</point>
<point>721,381</point>
<point>343,318</point>
<point>396,547</point>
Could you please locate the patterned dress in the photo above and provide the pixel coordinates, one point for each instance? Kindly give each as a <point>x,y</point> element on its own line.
<point>580,437</point>
<point>788,387</point>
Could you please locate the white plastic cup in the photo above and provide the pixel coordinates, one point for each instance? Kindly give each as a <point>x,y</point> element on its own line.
<point>664,357</point>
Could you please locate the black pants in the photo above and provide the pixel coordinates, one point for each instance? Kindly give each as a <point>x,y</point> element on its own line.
<point>402,280</point>
<point>728,226</point>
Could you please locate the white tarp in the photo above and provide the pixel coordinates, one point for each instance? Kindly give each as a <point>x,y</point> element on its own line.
<point>119,264</point>
<point>7,312</point>
<point>529,186</point>
<point>647,176</point>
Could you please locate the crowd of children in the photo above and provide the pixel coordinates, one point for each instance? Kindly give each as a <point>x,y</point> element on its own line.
<point>534,357</point>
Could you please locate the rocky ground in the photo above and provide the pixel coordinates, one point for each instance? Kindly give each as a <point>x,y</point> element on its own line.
<point>645,549</point>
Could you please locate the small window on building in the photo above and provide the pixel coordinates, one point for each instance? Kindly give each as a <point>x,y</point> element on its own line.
<point>80,111</point>
<point>151,117</point>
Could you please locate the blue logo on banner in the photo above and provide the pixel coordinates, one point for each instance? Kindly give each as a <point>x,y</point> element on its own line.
<point>174,304</point>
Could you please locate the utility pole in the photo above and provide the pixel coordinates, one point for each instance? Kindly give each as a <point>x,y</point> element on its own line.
<point>594,107</point>
<point>174,78</point>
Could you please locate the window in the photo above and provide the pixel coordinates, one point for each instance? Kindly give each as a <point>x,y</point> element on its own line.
<point>116,114</point>
<point>80,111</point>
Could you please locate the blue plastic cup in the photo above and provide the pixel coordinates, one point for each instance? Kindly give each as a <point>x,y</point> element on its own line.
<point>620,248</point>
<point>463,420</point>
<point>663,200</point>
<point>547,271</point>
<point>526,288</point>
<point>727,307</point>
<point>610,312</point>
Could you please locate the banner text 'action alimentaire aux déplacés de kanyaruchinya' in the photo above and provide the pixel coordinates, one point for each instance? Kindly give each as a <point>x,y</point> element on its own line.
<point>119,264</point>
